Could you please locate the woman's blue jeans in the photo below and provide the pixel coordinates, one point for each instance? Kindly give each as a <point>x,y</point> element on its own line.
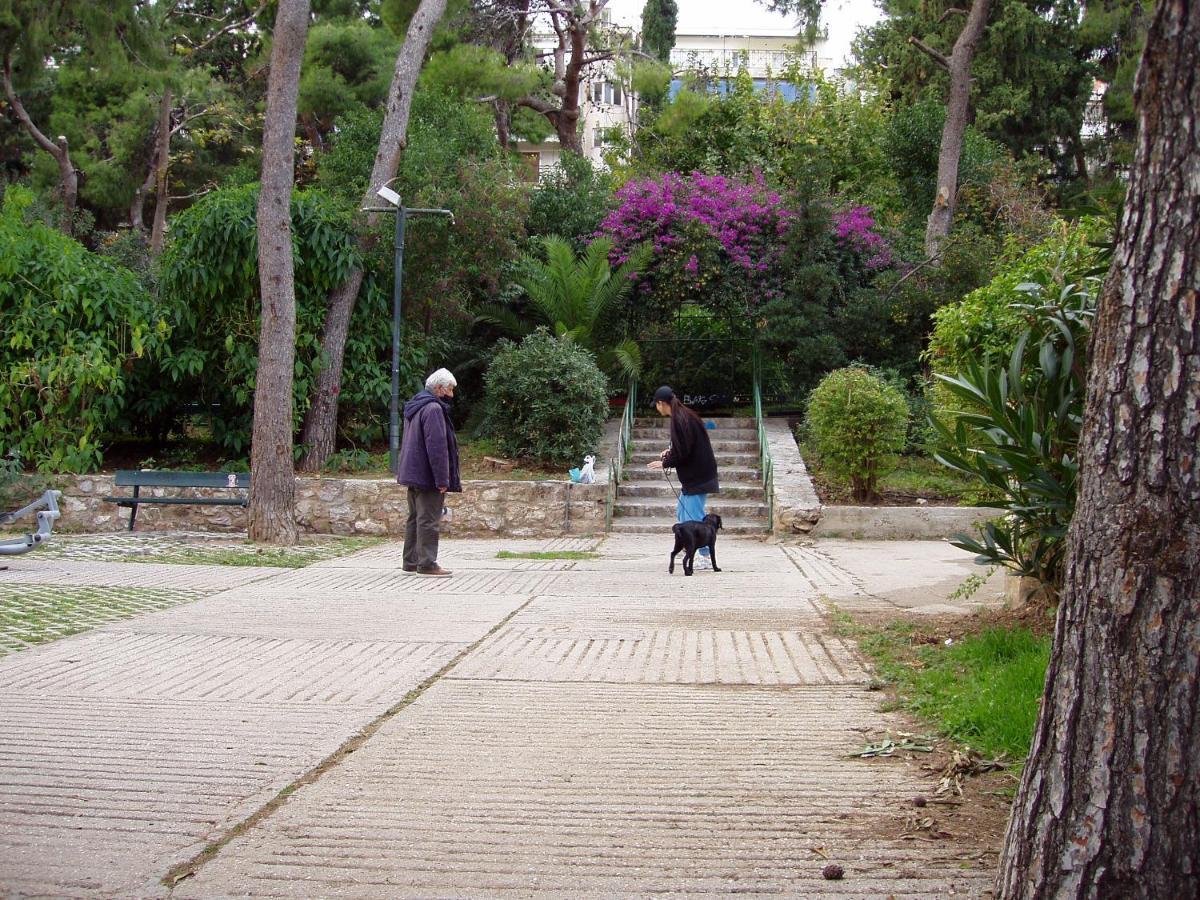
<point>690,508</point>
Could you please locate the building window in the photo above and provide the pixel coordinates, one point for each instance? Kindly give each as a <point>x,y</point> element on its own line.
<point>606,93</point>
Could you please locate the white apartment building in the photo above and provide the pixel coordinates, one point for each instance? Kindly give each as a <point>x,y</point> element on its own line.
<point>607,104</point>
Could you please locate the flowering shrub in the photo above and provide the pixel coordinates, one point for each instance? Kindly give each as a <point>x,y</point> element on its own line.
<point>715,239</point>
<point>855,229</point>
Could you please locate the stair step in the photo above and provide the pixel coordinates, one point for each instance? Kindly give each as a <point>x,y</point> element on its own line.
<point>724,460</point>
<point>652,507</point>
<point>655,526</point>
<point>726,474</point>
<point>719,445</point>
<point>724,434</point>
<point>662,490</point>
<point>719,421</point>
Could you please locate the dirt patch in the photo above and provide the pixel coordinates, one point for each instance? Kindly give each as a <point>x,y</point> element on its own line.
<point>964,806</point>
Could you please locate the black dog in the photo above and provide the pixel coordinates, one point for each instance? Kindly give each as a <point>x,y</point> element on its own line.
<point>690,537</point>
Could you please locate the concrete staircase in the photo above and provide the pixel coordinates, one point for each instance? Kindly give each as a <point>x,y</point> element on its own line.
<point>646,502</point>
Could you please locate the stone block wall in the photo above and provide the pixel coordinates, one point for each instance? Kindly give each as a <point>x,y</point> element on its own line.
<point>352,506</point>
<point>797,508</point>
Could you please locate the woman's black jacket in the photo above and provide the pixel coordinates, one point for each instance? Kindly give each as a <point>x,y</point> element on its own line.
<point>691,456</point>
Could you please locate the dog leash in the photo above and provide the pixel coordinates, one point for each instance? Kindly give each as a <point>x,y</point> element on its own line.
<point>671,486</point>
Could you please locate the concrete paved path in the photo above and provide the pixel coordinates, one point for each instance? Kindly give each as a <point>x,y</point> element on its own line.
<point>526,728</point>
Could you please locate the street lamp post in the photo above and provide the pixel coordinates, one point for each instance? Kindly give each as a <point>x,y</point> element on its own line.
<point>402,213</point>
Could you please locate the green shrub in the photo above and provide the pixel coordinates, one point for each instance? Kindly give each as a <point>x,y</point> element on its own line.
<point>546,400</point>
<point>71,326</point>
<point>858,423</point>
<point>210,282</point>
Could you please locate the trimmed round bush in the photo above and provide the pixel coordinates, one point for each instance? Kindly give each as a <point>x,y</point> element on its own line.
<point>858,423</point>
<point>546,400</point>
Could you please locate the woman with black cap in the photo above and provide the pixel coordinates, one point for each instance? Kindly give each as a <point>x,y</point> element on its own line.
<point>690,454</point>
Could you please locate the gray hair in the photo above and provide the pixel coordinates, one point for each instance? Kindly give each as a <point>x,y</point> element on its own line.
<point>441,378</point>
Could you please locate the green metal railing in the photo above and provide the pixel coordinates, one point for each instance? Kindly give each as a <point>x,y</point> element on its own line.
<point>616,465</point>
<point>764,449</point>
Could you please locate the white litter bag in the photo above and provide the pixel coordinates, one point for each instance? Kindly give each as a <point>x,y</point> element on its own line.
<point>587,474</point>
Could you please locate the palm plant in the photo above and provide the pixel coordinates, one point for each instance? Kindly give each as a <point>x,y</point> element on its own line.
<point>573,295</point>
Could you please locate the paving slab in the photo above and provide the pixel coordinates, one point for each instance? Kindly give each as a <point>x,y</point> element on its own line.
<point>919,577</point>
<point>69,572</point>
<point>488,789</point>
<point>127,750</point>
<point>624,733</point>
<point>598,728</point>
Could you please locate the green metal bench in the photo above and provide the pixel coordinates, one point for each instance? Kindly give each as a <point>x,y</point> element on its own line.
<point>138,479</point>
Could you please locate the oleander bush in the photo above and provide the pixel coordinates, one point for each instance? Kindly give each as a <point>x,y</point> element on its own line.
<point>546,400</point>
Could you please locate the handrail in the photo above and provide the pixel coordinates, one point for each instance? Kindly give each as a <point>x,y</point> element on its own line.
<point>616,465</point>
<point>764,450</point>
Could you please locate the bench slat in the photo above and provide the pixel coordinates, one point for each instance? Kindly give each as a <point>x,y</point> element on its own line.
<point>195,501</point>
<point>145,478</point>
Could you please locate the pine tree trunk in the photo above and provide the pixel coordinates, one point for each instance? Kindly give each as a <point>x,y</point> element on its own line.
<point>273,479</point>
<point>320,424</point>
<point>1108,806</point>
<point>958,108</point>
<point>162,161</point>
<point>68,178</point>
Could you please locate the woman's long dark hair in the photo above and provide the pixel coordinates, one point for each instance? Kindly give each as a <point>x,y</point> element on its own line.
<point>680,414</point>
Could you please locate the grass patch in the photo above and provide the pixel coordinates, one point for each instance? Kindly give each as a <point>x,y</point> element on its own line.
<point>915,477</point>
<point>982,689</point>
<point>548,554</point>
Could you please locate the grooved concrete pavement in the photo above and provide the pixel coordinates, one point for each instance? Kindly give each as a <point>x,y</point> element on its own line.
<point>611,732</point>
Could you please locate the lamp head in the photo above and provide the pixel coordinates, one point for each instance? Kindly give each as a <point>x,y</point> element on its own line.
<point>389,195</point>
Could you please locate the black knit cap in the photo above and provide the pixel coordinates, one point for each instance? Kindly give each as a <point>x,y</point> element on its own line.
<point>664,393</point>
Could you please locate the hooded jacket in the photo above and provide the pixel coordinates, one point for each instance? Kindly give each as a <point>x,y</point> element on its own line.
<point>429,451</point>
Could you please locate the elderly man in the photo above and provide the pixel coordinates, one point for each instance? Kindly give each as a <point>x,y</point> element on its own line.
<point>429,467</point>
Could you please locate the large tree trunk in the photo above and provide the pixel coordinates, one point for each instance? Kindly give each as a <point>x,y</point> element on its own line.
<point>1108,806</point>
<point>958,107</point>
<point>320,424</point>
<point>161,163</point>
<point>68,178</point>
<point>273,477</point>
<point>572,24</point>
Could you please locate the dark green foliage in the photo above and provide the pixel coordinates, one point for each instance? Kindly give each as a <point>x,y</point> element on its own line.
<point>912,143</point>
<point>546,400</point>
<point>858,422</point>
<point>658,27</point>
<point>1031,77</point>
<point>571,202</point>
<point>1017,428</point>
<point>210,282</point>
<point>71,326</point>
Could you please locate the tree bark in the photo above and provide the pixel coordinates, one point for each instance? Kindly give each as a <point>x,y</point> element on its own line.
<point>958,106</point>
<point>161,163</point>
<point>272,474</point>
<point>1107,807</point>
<point>68,178</point>
<point>320,424</point>
<point>137,207</point>
<point>572,24</point>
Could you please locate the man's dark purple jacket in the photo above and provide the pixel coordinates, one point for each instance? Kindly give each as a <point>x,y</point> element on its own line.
<point>429,453</point>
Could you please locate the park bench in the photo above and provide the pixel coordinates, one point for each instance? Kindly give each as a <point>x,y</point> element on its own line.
<point>138,479</point>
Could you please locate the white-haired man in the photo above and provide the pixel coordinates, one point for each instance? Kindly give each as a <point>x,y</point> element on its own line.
<point>429,468</point>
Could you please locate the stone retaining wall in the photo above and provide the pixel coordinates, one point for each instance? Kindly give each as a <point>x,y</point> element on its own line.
<point>899,523</point>
<point>797,509</point>
<point>353,506</point>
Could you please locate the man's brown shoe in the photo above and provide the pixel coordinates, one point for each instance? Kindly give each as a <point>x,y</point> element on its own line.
<point>435,572</point>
